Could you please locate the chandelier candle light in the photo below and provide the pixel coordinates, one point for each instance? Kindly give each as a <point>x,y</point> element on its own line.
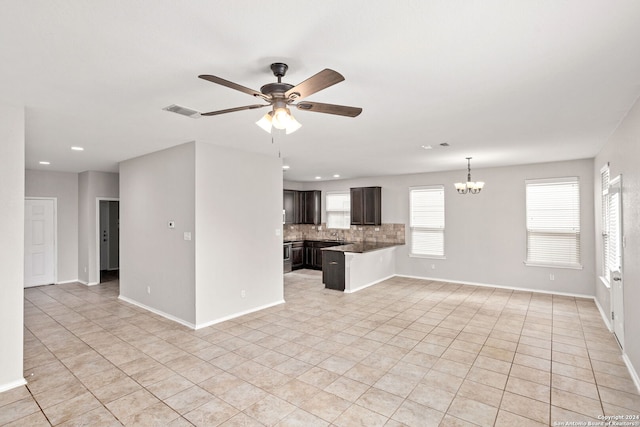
<point>469,186</point>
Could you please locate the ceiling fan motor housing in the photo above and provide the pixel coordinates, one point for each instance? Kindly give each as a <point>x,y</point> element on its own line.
<point>275,89</point>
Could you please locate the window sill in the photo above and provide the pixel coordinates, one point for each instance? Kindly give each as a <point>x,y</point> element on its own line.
<point>605,282</point>
<point>427,256</point>
<point>566,266</point>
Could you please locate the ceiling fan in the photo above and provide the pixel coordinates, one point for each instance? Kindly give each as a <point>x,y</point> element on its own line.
<point>281,96</point>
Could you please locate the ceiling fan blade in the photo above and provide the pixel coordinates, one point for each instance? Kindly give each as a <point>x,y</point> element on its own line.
<point>315,83</point>
<point>232,85</point>
<point>231,110</point>
<point>340,110</point>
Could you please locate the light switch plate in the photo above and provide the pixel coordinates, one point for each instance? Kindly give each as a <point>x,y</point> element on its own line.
<point>187,235</point>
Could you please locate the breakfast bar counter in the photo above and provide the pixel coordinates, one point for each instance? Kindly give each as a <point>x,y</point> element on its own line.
<point>355,266</point>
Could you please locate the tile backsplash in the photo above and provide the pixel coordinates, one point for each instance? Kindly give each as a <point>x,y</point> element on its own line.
<point>385,233</point>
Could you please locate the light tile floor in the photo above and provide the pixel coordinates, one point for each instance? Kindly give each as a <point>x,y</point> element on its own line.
<point>403,352</point>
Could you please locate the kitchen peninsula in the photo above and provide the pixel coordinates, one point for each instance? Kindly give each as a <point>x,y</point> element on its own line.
<point>355,266</point>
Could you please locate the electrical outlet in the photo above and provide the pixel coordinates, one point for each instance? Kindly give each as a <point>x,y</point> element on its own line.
<point>149,289</point>
<point>243,293</point>
<point>433,266</point>
<point>187,235</point>
<point>552,277</point>
<point>85,269</point>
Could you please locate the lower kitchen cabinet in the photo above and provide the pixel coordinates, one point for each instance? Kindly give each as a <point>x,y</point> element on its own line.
<point>333,270</point>
<point>297,255</point>
<point>313,253</point>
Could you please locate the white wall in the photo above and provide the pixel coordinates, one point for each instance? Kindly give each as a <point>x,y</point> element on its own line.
<point>91,185</point>
<point>238,211</point>
<point>155,189</point>
<point>485,234</point>
<point>12,124</point>
<point>623,152</point>
<point>64,187</point>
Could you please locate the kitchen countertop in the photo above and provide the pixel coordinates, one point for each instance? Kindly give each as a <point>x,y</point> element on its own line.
<point>361,247</point>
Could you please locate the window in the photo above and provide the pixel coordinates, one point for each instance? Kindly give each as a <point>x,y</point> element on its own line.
<point>606,241</point>
<point>426,212</point>
<point>553,222</point>
<point>339,210</point>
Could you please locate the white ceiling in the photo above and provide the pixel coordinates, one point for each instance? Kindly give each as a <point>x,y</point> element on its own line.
<point>507,82</point>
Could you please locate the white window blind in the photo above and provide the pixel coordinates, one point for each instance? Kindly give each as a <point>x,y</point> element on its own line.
<point>606,241</point>
<point>553,222</point>
<point>427,220</point>
<point>338,209</point>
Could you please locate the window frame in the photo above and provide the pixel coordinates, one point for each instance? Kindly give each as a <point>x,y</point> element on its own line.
<point>441,230</point>
<point>575,265</point>
<point>346,213</point>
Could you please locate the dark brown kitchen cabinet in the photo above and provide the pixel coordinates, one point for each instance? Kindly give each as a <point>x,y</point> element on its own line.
<point>333,270</point>
<point>366,206</point>
<point>290,203</point>
<point>297,255</point>
<point>310,207</point>
<point>313,253</point>
<point>302,207</point>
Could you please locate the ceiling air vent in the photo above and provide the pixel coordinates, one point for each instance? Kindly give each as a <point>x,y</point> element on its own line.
<point>179,109</point>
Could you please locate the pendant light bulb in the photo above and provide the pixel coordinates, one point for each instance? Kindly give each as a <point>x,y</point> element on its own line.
<point>265,122</point>
<point>281,118</point>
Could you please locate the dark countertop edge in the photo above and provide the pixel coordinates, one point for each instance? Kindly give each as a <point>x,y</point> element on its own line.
<point>359,249</point>
<point>342,242</point>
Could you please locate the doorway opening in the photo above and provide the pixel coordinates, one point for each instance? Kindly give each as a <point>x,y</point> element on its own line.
<point>108,240</point>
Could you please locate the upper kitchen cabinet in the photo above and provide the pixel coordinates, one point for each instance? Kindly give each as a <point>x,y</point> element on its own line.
<point>366,206</point>
<point>302,207</point>
<point>310,207</point>
<point>290,203</point>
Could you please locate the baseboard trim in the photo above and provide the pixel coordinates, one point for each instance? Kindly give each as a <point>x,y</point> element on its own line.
<point>604,315</point>
<point>632,371</point>
<point>158,312</point>
<point>64,282</point>
<point>242,313</point>
<point>88,283</point>
<point>12,384</point>
<point>488,285</point>
<point>369,284</point>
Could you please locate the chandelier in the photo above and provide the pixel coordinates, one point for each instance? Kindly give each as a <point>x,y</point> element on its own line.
<point>469,186</point>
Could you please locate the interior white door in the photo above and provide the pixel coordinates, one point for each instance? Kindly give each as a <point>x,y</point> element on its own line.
<point>616,279</point>
<point>39,244</point>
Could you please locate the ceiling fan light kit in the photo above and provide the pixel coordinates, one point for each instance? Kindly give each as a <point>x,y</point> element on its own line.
<point>281,95</point>
<point>472,187</point>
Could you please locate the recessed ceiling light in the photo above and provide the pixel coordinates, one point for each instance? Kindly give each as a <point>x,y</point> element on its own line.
<point>318,177</point>
<point>44,163</point>
<point>336,176</point>
<point>427,147</point>
<point>77,148</point>
<point>285,167</point>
